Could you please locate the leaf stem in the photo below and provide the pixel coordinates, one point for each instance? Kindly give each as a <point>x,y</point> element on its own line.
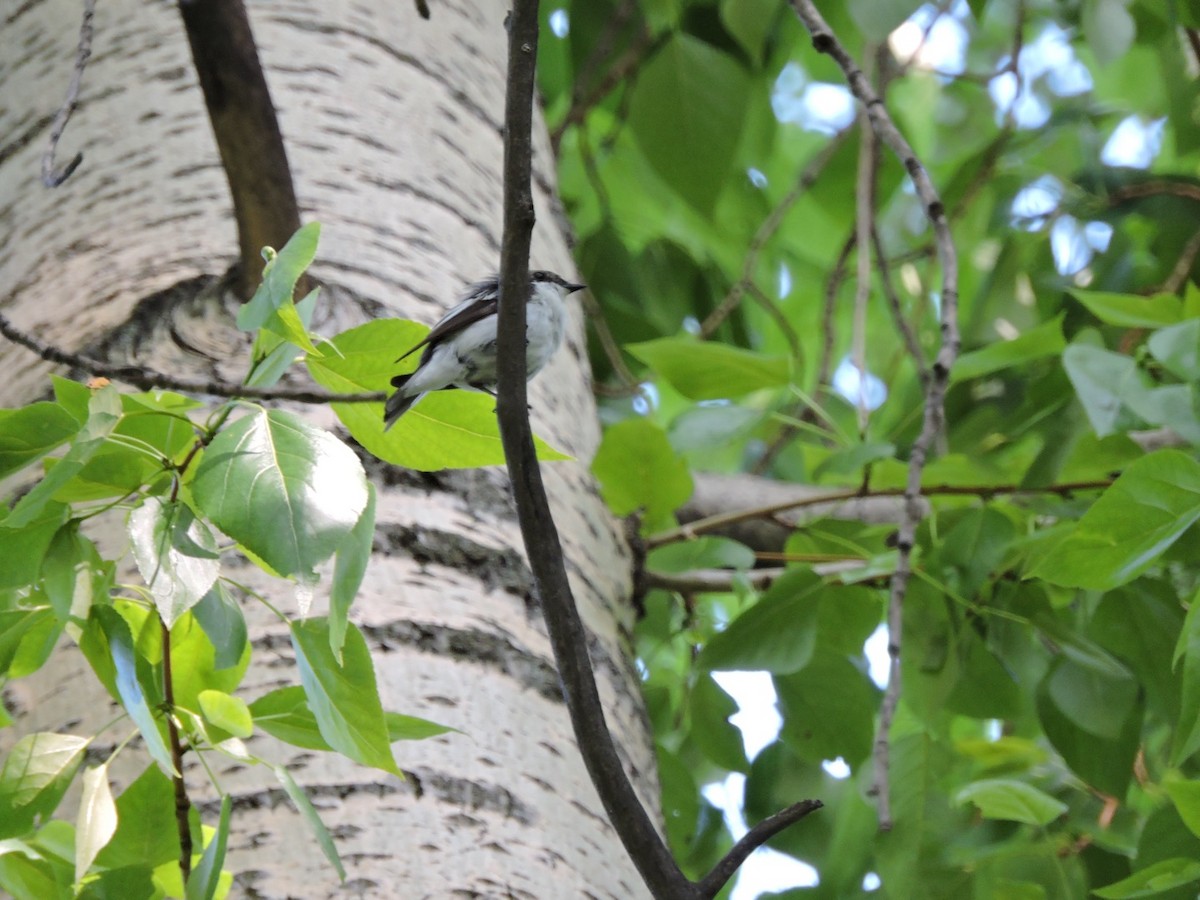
<point>183,805</point>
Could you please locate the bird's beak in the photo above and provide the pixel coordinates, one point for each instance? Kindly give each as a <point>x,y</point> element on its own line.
<point>572,288</point>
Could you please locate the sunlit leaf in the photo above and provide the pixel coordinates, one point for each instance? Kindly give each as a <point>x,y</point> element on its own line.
<point>446,430</point>
<point>286,490</point>
<point>97,819</point>
<point>176,554</point>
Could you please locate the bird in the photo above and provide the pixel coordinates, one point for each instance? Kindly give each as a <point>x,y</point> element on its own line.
<point>460,350</point>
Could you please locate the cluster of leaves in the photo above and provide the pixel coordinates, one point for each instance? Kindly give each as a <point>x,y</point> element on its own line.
<point>1049,720</point>
<point>193,486</point>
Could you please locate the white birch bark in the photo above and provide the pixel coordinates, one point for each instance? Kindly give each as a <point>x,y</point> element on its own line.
<point>392,126</point>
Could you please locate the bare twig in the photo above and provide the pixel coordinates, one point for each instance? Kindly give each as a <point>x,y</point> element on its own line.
<point>808,177</point>
<point>864,225</point>
<point>984,491</point>
<point>568,638</point>
<point>751,841</point>
<point>150,380</point>
<point>1179,272</point>
<point>824,41</point>
<point>608,343</point>
<point>771,308</point>
<point>710,581</point>
<point>52,177</point>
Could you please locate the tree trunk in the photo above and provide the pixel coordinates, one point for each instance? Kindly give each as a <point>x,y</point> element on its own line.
<point>392,125</point>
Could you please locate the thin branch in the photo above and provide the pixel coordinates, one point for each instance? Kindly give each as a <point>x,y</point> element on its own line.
<point>751,841</point>
<point>864,225</point>
<point>808,177</point>
<point>1179,273</point>
<point>1154,189</point>
<point>824,41</point>
<point>183,805</point>
<point>907,334</point>
<point>52,177</point>
<point>609,344</point>
<point>824,367</point>
<point>711,581</point>
<point>568,639</point>
<point>771,308</point>
<point>983,491</point>
<point>150,380</point>
<point>247,132</point>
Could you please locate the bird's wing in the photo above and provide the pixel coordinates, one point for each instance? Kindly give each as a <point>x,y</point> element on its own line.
<point>477,305</point>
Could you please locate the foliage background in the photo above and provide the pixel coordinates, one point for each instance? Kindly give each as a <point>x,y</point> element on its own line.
<point>1051,671</point>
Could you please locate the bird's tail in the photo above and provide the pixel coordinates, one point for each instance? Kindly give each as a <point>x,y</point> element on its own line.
<point>399,403</point>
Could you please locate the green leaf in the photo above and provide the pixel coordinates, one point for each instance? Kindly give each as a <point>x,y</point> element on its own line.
<point>702,552</point>
<point>176,554</point>
<point>288,492</point>
<point>878,18</point>
<point>1178,348</point>
<point>29,433</point>
<point>23,549</point>
<point>349,566</point>
<point>1186,735</point>
<point>688,96</point>
<point>286,323</point>
<point>227,712</point>
<point>706,370</point>
<point>1156,499</point>
<point>709,709</point>
<point>828,709</point>
<point>1038,342</point>
<point>304,806</point>
<point>120,642</point>
<point>36,773</point>
<point>1132,310</point>
<point>446,430</point>
<point>343,697</point>
<point>67,573</point>
<point>147,830</point>
<point>221,618</point>
<point>777,634</point>
<point>273,355</point>
<point>97,819</point>
<point>411,728</point>
<point>202,884</point>
<point>1104,381</point>
<point>750,22</point>
<point>285,714</point>
<point>104,412</point>
<point>1014,801</point>
<point>1153,880</point>
<point>638,469</point>
<point>195,667</point>
<point>279,278</point>
<point>1186,797</point>
<point>1109,29</point>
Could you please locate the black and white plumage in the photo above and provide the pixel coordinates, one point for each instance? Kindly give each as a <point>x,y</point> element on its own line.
<point>460,350</point>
